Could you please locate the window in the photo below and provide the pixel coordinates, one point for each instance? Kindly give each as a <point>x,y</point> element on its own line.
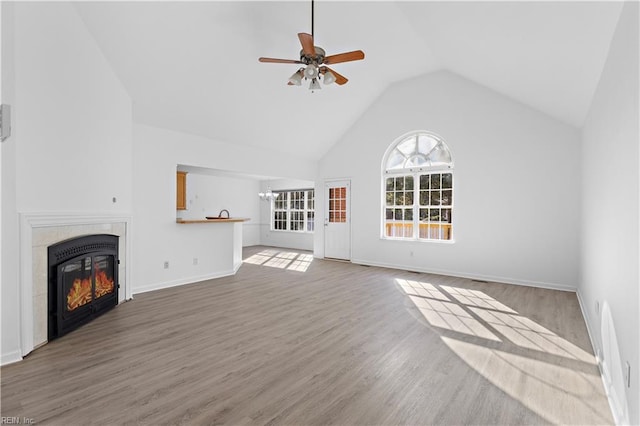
<point>338,204</point>
<point>418,189</point>
<point>293,211</point>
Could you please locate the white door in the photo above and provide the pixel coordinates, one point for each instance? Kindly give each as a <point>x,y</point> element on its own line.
<point>337,219</point>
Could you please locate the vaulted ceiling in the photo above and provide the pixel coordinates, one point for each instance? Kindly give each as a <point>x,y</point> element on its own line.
<point>192,66</point>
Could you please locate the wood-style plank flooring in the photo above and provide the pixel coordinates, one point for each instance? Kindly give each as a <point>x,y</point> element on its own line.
<point>301,341</point>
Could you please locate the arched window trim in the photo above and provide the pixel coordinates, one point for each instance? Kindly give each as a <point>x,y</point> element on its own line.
<point>416,134</point>
<point>419,220</point>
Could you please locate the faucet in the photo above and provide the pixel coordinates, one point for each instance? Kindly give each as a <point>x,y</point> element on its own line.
<point>223,210</point>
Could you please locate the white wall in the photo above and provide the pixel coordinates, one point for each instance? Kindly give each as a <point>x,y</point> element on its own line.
<point>285,239</point>
<point>610,230</point>
<point>516,183</point>
<point>158,237</point>
<point>208,194</point>
<point>73,113</point>
<point>71,126</point>
<point>10,302</point>
<point>2,100</point>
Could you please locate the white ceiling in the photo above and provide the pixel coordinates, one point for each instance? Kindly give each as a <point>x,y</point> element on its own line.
<point>192,66</point>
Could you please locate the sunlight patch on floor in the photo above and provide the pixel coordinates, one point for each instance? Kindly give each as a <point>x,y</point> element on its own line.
<point>521,357</point>
<point>476,298</point>
<point>535,383</point>
<point>257,259</point>
<point>528,334</point>
<point>440,312</point>
<point>301,263</point>
<point>417,288</point>
<point>475,313</point>
<point>291,261</point>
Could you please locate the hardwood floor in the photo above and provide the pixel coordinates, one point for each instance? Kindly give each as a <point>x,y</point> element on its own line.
<point>295,340</point>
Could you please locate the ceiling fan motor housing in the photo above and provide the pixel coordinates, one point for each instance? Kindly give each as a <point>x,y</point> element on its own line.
<point>318,59</point>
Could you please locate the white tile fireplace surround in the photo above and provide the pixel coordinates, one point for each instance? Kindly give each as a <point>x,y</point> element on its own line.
<point>40,230</point>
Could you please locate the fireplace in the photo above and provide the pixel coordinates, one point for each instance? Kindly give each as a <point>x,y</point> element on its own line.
<point>83,281</point>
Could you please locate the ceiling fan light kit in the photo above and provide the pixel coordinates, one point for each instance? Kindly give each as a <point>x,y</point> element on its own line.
<point>296,78</point>
<point>328,77</point>
<point>314,85</point>
<point>311,71</point>
<point>315,58</point>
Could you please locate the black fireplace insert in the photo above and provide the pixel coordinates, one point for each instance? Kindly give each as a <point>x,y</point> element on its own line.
<point>83,281</point>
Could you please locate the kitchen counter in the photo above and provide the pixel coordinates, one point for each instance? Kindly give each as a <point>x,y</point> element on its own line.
<point>231,219</point>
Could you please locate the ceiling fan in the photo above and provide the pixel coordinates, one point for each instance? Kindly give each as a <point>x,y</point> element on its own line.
<point>315,60</point>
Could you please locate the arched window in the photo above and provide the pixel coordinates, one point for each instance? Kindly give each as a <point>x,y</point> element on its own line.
<point>417,182</point>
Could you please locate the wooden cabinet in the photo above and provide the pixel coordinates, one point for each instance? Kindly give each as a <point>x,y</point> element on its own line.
<point>181,193</point>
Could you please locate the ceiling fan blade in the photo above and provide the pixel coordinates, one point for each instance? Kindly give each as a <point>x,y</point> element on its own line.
<point>280,61</point>
<point>340,79</point>
<point>356,55</point>
<point>306,40</point>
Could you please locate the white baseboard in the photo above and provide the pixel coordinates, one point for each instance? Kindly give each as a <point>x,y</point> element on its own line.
<point>490,278</point>
<point>594,347</point>
<point>181,281</point>
<point>11,357</point>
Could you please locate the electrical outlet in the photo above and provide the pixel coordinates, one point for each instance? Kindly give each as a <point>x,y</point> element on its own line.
<point>166,264</point>
<point>5,121</point>
<point>627,374</point>
<point>195,260</point>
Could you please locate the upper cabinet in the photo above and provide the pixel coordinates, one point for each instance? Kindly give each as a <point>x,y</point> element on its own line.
<point>181,193</point>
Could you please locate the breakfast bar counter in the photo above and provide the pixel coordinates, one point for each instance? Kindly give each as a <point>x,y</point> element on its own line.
<point>216,220</point>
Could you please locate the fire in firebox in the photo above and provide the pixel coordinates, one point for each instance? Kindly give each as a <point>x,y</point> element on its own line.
<point>83,281</point>
<point>80,291</point>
